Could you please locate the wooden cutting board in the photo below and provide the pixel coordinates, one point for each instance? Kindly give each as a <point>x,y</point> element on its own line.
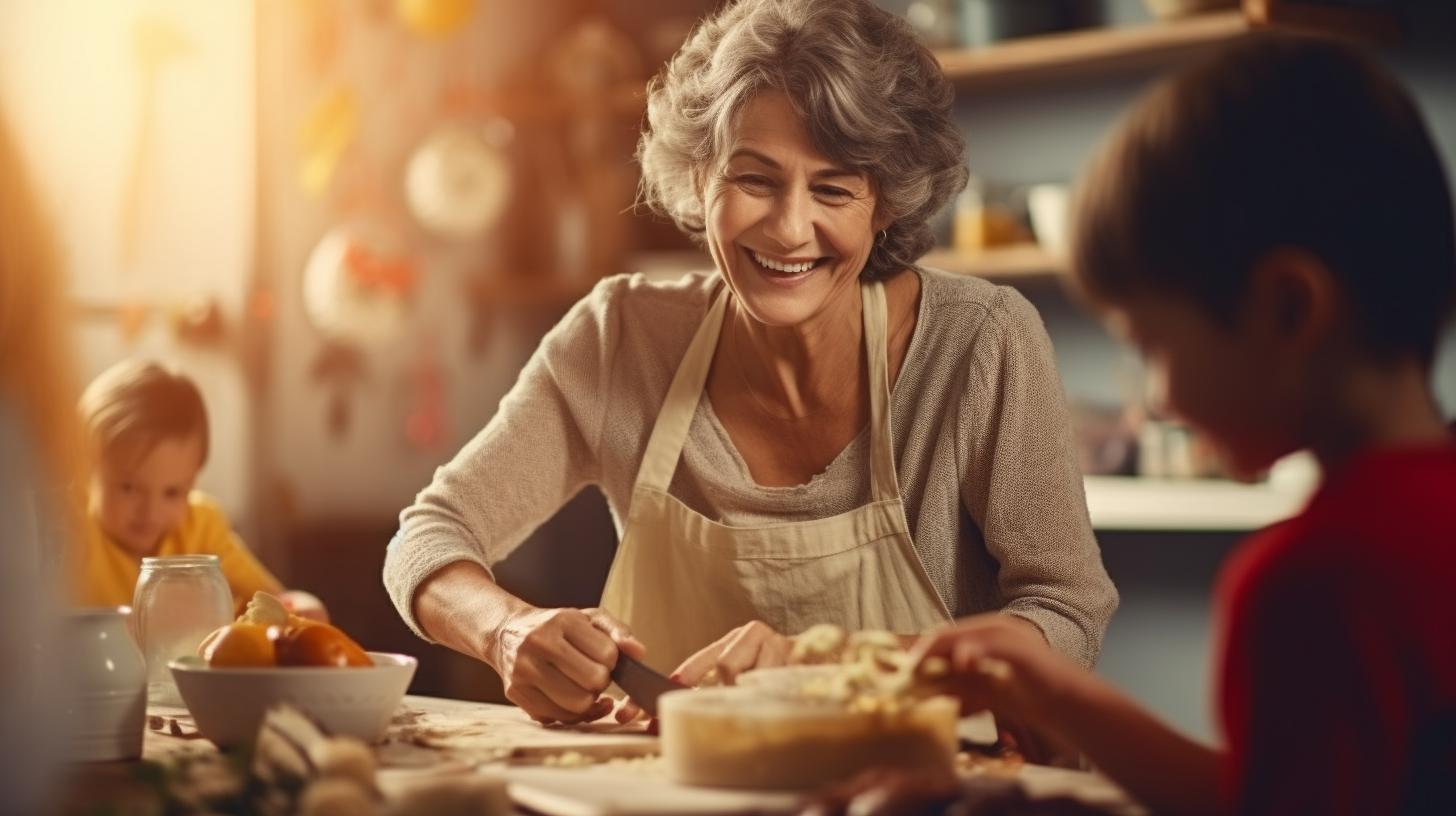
<point>484,733</point>
<point>604,790</point>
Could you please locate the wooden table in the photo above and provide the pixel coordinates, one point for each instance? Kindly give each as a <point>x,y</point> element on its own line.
<point>611,770</point>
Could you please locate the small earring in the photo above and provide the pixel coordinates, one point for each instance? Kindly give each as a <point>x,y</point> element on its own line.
<point>884,235</point>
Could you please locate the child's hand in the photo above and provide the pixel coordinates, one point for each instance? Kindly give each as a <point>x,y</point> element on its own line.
<point>984,655</point>
<point>1003,663</point>
<point>304,604</point>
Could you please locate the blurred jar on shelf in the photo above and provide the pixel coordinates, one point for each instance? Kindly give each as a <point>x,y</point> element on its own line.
<point>1172,9</point>
<point>935,20</point>
<point>986,217</point>
<point>983,22</point>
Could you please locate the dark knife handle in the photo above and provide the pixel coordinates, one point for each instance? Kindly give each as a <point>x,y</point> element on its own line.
<point>641,683</point>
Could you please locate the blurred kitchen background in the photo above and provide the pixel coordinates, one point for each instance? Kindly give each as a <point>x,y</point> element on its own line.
<point>352,221</point>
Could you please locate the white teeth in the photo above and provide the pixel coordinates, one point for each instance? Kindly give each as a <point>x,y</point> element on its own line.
<point>792,269</point>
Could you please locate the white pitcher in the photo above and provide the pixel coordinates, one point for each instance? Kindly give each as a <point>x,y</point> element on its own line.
<point>106,706</point>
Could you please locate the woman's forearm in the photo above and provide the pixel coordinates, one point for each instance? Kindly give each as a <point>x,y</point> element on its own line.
<point>462,607</point>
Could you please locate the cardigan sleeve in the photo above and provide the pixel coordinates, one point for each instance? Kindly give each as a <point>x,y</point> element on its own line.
<point>540,448</point>
<point>1022,484</point>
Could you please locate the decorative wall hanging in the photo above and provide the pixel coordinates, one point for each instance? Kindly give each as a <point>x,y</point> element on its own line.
<point>339,368</point>
<point>426,426</point>
<point>358,283</point>
<point>324,137</point>
<point>434,18</point>
<point>155,43</point>
<point>457,183</point>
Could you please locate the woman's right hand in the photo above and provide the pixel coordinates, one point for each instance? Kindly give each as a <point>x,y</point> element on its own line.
<point>555,663</point>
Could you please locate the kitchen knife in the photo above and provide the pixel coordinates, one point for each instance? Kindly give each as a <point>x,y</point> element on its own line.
<point>642,684</point>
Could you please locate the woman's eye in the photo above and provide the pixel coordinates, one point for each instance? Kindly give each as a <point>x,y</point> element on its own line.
<point>834,194</point>
<point>753,183</point>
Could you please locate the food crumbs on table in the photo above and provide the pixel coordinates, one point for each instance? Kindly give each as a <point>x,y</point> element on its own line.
<point>1006,763</point>
<point>645,764</point>
<point>568,759</point>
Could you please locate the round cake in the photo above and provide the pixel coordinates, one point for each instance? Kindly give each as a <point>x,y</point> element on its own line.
<point>755,737</point>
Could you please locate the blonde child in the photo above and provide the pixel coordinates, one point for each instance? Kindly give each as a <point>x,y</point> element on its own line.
<point>148,431</point>
<point>1273,231</point>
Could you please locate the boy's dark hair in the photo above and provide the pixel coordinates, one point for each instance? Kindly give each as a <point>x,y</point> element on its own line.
<point>135,404</point>
<point>1276,141</point>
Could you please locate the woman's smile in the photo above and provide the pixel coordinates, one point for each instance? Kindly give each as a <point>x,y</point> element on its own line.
<point>786,271</point>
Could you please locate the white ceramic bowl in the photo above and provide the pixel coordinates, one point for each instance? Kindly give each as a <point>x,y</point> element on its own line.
<point>229,704</point>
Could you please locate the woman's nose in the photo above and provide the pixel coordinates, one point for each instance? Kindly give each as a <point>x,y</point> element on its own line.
<point>791,223</point>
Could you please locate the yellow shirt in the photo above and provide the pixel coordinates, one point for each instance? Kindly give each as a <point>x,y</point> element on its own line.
<point>106,574</point>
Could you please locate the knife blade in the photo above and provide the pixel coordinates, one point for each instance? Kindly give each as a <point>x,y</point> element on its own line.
<point>641,683</point>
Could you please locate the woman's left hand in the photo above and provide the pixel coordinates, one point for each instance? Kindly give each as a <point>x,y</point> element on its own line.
<point>754,645</point>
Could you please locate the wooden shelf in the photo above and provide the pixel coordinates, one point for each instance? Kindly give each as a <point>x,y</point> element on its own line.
<point>1133,503</point>
<point>1129,503</point>
<point>1101,51</point>
<point>1019,262</point>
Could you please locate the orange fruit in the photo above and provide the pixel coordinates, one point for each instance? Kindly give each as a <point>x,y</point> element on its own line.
<point>238,646</point>
<point>318,644</point>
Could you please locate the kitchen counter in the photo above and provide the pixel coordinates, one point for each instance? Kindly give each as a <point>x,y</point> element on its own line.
<point>598,769</point>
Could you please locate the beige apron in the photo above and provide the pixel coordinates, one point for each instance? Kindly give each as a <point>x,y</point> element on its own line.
<point>681,580</point>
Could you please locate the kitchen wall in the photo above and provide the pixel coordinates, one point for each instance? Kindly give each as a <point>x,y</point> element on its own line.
<point>138,119</point>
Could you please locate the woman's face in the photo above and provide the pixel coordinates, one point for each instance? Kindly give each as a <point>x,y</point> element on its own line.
<point>789,228</point>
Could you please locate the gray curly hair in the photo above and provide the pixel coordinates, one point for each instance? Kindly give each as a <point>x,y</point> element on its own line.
<point>871,96</point>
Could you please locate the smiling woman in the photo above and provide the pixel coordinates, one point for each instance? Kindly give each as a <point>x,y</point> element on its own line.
<point>816,431</point>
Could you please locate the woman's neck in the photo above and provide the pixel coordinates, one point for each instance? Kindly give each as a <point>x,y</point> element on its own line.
<point>795,372</point>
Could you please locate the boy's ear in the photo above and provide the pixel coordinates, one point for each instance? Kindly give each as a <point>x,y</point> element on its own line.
<point>1292,299</point>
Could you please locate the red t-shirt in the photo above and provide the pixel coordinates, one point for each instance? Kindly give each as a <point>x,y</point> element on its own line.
<point>1338,629</point>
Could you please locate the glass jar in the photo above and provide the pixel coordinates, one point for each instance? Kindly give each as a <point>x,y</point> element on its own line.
<point>179,600</point>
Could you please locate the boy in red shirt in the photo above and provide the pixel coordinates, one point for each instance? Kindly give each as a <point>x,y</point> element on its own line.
<point>1274,232</point>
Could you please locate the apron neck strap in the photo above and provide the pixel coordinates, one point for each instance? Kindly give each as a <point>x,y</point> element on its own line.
<point>664,448</point>
<point>883,485</point>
